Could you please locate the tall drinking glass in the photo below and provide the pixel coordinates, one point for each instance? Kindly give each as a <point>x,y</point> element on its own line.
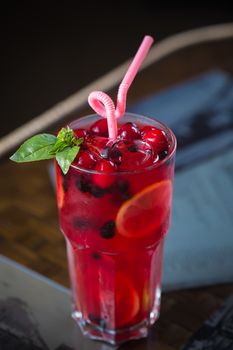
<point>115,239</point>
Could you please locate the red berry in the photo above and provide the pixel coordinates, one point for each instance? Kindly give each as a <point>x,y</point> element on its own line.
<point>80,132</point>
<point>129,132</point>
<point>157,139</point>
<point>85,160</point>
<point>106,179</point>
<point>100,128</point>
<point>146,128</point>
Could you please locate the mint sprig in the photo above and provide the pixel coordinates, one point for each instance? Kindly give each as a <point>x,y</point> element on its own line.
<point>64,148</point>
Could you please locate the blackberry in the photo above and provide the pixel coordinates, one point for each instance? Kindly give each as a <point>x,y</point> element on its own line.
<point>116,156</point>
<point>123,188</point>
<point>107,231</point>
<point>132,148</point>
<point>163,154</point>
<point>83,184</point>
<point>96,256</point>
<point>97,191</point>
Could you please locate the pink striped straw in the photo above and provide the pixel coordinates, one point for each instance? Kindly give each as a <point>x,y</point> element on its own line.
<point>103,104</point>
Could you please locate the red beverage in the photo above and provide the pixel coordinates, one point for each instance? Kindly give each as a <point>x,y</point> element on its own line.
<point>114,207</point>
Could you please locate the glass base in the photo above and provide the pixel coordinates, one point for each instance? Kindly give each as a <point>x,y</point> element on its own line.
<point>118,336</point>
<point>113,337</point>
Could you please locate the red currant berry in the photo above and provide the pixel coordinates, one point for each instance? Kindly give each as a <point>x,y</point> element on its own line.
<point>157,139</point>
<point>80,132</point>
<point>100,128</point>
<point>129,132</point>
<point>85,160</point>
<point>146,128</point>
<point>106,179</point>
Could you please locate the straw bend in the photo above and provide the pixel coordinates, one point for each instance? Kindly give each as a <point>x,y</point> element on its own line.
<point>101,103</point>
<point>104,106</point>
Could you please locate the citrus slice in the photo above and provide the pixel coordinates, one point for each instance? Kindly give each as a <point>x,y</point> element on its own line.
<point>143,214</point>
<point>60,191</point>
<point>126,301</point>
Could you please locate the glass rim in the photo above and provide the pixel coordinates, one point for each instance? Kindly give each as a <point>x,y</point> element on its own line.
<point>169,156</point>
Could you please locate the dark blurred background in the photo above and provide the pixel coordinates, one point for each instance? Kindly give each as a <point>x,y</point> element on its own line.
<point>51,49</point>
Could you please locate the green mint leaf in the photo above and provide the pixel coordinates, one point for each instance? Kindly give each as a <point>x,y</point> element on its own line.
<point>38,147</point>
<point>66,157</point>
<point>66,138</point>
<point>58,147</point>
<point>64,148</point>
<point>79,141</point>
<point>67,135</point>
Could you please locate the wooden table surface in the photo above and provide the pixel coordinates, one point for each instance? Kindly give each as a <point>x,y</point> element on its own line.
<point>29,232</point>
